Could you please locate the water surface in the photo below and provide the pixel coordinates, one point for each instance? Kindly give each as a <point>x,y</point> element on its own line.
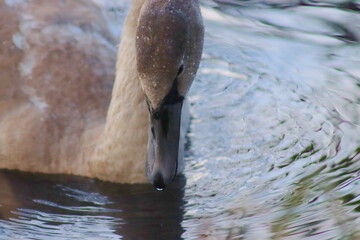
<point>273,148</point>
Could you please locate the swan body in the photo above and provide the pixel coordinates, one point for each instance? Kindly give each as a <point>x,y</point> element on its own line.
<point>61,112</point>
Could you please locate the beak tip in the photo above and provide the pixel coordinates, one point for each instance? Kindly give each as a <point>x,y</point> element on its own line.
<point>158,181</point>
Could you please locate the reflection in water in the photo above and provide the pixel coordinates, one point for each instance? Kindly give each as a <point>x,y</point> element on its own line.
<point>275,147</point>
<point>67,207</point>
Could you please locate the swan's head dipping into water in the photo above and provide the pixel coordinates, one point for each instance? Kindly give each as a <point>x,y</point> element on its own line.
<point>169,43</point>
<point>83,131</point>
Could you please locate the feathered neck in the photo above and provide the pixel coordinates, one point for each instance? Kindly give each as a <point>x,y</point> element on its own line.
<point>120,154</point>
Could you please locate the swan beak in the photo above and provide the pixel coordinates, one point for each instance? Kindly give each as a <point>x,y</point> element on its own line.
<point>163,144</point>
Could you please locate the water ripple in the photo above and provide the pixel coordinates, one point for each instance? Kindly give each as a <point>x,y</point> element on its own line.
<point>281,159</point>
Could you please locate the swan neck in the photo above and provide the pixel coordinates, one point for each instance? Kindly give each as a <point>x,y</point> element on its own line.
<point>120,155</point>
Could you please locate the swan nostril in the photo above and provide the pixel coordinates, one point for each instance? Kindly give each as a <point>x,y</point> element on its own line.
<point>159,181</point>
<point>181,69</point>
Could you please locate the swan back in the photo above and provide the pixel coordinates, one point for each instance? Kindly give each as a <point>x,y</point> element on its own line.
<point>57,69</point>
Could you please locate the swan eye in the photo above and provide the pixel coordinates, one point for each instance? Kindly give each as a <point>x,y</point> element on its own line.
<point>181,70</point>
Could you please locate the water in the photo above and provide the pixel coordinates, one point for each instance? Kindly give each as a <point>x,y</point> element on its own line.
<point>274,142</point>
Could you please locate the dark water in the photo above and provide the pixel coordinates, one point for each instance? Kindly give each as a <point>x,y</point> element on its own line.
<point>37,206</point>
<point>274,144</point>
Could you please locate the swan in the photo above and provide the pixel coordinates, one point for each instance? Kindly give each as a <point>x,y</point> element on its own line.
<point>61,112</point>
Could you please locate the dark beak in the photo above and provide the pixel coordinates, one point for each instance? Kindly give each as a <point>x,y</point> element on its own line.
<point>163,144</point>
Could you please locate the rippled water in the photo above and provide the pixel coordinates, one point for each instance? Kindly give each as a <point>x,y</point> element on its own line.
<point>274,144</point>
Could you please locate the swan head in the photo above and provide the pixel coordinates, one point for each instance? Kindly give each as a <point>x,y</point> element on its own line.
<point>169,43</point>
